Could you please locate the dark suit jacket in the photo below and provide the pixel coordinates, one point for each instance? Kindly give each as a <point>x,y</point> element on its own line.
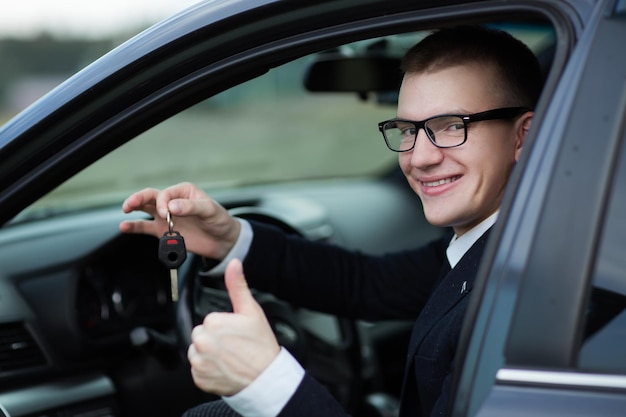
<point>407,285</point>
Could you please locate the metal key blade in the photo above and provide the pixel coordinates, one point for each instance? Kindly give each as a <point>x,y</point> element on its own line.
<point>174,284</point>
<point>172,254</point>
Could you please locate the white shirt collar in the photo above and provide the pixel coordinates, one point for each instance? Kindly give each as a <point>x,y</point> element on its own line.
<point>459,245</point>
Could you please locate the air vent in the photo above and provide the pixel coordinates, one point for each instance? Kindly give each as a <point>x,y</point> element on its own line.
<point>18,349</point>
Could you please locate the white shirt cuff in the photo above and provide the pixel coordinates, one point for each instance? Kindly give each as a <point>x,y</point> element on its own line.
<point>239,251</point>
<point>268,394</point>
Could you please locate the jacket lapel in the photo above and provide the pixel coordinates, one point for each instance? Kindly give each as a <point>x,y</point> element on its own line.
<point>451,289</point>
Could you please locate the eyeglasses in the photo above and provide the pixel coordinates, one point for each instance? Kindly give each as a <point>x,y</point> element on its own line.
<point>444,131</point>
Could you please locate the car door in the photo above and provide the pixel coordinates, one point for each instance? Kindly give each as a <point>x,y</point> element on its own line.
<point>547,333</point>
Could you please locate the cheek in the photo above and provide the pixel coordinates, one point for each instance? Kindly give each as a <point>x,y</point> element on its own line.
<point>498,174</point>
<point>404,160</point>
<point>494,158</point>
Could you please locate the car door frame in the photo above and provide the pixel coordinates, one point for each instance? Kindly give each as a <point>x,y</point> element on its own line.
<point>524,325</point>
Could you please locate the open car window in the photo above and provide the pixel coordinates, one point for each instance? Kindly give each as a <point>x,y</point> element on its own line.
<point>286,125</point>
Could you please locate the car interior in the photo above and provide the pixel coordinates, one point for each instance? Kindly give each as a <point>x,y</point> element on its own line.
<point>88,324</point>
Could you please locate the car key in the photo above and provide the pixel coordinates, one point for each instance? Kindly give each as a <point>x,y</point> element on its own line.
<point>172,253</point>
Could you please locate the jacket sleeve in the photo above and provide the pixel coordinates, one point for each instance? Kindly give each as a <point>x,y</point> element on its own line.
<point>334,280</point>
<point>312,399</point>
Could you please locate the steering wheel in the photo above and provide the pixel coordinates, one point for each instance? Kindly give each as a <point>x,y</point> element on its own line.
<point>336,365</point>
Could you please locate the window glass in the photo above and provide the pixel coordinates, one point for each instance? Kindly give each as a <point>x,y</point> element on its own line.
<point>267,130</point>
<point>604,343</point>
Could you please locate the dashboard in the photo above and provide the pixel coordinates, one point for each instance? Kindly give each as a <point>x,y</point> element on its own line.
<point>122,286</point>
<point>88,289</point>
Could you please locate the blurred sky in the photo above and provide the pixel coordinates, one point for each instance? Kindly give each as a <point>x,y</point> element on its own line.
<point>83,18</point>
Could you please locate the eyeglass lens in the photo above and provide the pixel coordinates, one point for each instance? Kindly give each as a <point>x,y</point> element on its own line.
<point>445,131</point>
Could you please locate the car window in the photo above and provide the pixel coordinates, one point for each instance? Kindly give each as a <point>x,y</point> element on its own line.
<point>604,341</point>
<point>269,129</point>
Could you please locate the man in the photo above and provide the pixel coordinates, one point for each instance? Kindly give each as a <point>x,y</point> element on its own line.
<point>463,114</point>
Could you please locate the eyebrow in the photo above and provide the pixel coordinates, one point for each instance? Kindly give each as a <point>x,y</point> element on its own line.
<point>463,112</point>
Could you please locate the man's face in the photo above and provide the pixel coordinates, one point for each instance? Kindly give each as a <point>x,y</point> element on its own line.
<point>460,186</point>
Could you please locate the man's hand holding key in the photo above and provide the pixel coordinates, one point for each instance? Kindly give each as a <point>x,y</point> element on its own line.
<point>207,227</point>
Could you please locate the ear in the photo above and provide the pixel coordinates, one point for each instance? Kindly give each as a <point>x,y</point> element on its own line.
<point>522,126</point>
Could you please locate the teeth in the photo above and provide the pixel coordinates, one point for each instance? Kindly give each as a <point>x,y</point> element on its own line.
<point>440,182</point>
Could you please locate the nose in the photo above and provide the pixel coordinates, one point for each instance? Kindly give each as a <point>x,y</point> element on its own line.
<point>424,153</point>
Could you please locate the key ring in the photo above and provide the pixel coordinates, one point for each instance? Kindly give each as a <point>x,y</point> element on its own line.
<point>170,223</point>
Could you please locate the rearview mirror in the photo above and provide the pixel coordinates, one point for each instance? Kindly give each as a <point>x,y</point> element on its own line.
<point>362,74</point>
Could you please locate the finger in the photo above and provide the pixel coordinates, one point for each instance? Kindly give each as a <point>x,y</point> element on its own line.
<point>140,200</point>
<point>195,333</point>
<point>240,296</point>
<point>195,351</point>
<point>198,204</point>
<point>192,353</point>
<point>179,191</point>
<point>140,227</point>
<point>202,208</point>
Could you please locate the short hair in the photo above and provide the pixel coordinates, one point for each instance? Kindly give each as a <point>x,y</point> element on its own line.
<point>517,68</point>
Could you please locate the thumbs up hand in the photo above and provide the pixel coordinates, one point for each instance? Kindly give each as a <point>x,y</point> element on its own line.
<point>229,350</point>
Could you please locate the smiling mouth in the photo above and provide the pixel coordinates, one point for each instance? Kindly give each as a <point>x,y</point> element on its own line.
<point>440,182</point>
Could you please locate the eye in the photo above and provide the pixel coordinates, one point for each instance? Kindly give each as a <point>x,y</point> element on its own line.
<point>447,125</point>
<point>407,130</point>
<point>455,126</point>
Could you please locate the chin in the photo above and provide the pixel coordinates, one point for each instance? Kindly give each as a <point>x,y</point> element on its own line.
<point>439,220</point>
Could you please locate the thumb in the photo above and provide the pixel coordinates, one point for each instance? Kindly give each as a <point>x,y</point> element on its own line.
<point>240,296</point>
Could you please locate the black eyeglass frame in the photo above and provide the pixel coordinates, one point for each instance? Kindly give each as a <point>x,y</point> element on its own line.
<point>494,114</point>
